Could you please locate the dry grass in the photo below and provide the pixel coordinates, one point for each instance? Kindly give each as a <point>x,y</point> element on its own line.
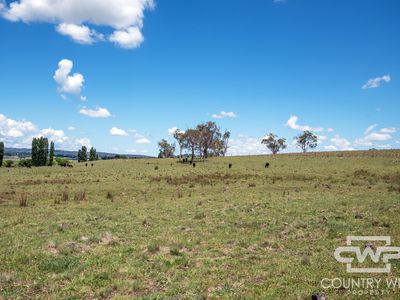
<point>23,200</point>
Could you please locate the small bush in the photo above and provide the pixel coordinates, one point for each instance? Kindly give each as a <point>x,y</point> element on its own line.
<point>23,200</point>
<point>252,184</point>
<point>156,168</point>
<point>62,162</point>
<point>25,163</point>
<point>8,164</point>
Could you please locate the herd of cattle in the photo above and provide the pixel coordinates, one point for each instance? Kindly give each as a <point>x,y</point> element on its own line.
<point>230,165</point>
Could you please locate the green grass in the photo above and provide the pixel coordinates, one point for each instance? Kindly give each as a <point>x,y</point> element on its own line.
<point>159,229</point>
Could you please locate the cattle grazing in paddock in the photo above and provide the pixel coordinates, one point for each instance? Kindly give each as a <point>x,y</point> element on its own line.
<point>194,165</point>
<point>266,165</point>
<point>92,164</point>
<point>86,165</point>
<point>230,166</point>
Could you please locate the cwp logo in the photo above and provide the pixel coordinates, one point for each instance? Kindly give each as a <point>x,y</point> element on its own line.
<point>382,254</point>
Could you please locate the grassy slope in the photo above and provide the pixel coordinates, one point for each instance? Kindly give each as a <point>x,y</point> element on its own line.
<point>190,232</point>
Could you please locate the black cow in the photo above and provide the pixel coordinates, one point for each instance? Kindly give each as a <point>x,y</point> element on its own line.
<point>267,165</point>
<point>92,164</point>
<point>194,165</point>
<point>230,166</point>
<point>86,164</point>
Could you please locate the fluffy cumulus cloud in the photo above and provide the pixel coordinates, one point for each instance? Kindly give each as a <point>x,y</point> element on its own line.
<point>83,142</point>
<point>376,82</point>
<point>19,134</point>
<point>339,143</point>
<point>224,114</point>
<point>115,131</point>
<point>71,128</point>
<point>57,136</point>
<point>372,136</point>
<point>79,33</point>
<point>98,112</point>
<point>292,123</point>
<point>76,18</point>
<point>246,145</point>
<point>14,131</point>
<point>68,83</point>
<point>127,38</point>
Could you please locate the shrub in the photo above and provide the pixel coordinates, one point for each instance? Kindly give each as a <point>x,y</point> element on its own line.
<point>8,163</point>
<point>62,162</point>
<point>23,200</point>
<point>25,163</point>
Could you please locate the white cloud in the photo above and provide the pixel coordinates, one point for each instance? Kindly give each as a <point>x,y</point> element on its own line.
<point>125,17</point>
<point>143,140</point>
<point>172,130</point>
<point>118,132</point>
<point>224,114</point>
<point>20,133</point>
<point>245,145</point>
<point>378,136</point>
<point>57,136</point>
<point>397,142</point>
<point>71,128</point>
<point>68,84</point>
<point>386,146</point>
<point>340,143</point>
<point>371,137</point>
<point>83,142</point>
<point>389,130</point>
<point>330,148</point>
<point>330,129</point>
<point>370,128</point>
<point>12,130</point>
<point>292,123</point>
<point>129,38</point>
<point>95,113</point>
<point>376,82</point>
<point>322,138</point>
<point>79,33</point>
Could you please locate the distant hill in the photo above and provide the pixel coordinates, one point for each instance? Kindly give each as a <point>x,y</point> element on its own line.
<point>25,152</point>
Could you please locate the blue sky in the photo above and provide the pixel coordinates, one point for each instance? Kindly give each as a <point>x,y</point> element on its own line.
<point>128,75</point>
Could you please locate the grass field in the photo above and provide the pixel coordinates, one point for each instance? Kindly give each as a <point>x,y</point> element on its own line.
<point>159,229</point>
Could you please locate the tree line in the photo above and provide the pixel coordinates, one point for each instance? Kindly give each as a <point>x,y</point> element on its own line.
<point>207,139</point>
<point>43,155</point>
<point>305,141</point>
<point>204,140</point>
